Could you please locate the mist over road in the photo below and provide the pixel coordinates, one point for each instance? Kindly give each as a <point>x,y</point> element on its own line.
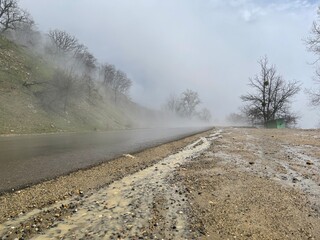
<point>29,159</point>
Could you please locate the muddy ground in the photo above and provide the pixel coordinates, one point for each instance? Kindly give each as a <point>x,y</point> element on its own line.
<point>229,183</point>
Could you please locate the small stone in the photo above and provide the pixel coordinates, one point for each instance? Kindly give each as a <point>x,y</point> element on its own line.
<point>309,162</point>
<point>81,194</point>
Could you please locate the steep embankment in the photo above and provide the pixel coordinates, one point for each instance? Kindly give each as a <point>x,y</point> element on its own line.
<point>23,74</point>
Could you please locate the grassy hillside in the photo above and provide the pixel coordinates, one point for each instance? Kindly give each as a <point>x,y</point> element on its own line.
<point>21,110</point>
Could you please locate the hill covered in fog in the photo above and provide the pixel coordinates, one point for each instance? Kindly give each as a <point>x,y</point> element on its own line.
<point>38,96</point>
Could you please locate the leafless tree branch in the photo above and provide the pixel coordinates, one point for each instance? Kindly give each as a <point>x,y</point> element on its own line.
<point>11,15</point>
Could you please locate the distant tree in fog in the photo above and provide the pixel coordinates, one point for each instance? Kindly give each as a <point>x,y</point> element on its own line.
<point>172,104</point>
<point>122,83</point>
<point>271,95</point>
<point>189,100</point>
<point>205,115</point>
<point>108,72</point>
<point>116,80</point>
<point>11,15</point>
<point>62,42</point>
<point>87,59</point>
<point>185,105</point>
<point>88,66</point>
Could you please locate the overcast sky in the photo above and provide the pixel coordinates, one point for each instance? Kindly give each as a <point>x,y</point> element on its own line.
<point>210,46</point>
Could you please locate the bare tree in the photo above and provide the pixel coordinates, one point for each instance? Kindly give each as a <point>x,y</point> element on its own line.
<point>88,67</point>
<point>271,95</point>
<point>59,91</point>
<point>62,41</point>
<point>314,94</point>
<point>25,34</point>
<point>313,41</point>
<point>172,104</point>
<point>11,15</point>
<point>116,80</point>
<point>86,58</point>
<point>185,105</point>
<point>121,84</point>
<point>313,45</point>
<point>188,103</point>
<point>88,85</point>
<point>108,72</point>
<point>205,115</point>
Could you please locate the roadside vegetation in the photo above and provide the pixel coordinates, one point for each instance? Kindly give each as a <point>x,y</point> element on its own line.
<point>38,96</point>
<point>51,82</point>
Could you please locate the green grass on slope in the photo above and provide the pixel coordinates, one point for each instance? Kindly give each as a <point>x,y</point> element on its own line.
<point>21,111</point>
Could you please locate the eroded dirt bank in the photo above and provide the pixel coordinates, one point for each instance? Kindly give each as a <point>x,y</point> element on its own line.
<point>223,184</point>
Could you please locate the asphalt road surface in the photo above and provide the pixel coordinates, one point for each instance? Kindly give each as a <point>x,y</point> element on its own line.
<point>28,159</point>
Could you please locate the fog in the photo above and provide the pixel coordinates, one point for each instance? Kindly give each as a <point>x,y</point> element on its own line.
<point>211,47</point>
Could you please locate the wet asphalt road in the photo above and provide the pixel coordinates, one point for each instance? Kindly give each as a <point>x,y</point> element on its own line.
<point>25,160</point>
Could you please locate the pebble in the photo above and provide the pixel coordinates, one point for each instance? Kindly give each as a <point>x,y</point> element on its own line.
<point>294,180</point>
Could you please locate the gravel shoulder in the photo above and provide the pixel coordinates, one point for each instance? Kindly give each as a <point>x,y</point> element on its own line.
<point>230,183</point>
<point>257,184</point>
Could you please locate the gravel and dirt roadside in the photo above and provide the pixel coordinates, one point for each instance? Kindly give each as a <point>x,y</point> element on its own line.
<point>257,184</point>
<point>230,183</point>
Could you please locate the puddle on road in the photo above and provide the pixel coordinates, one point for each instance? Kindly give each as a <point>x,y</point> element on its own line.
<point>123,209</point>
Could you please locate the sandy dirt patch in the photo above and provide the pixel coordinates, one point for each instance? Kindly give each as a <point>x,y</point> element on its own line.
<point>257,184</point>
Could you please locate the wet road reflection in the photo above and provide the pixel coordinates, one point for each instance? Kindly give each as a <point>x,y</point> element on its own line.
<point>32,158</point>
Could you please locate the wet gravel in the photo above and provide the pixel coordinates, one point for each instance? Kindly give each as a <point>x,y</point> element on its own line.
<point>148,204</point>
<point>223,184</point>
<point>257,184</point>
